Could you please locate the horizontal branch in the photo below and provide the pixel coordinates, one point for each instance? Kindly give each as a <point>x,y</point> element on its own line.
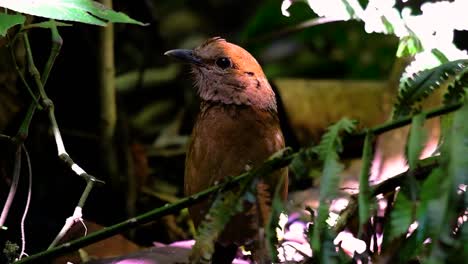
<point>377,130</point>
<point>276,161</point>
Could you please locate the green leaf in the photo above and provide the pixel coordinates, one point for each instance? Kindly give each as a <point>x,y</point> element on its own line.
<point>440,56</point>
<point>364,197</point>
<point>456,90</point>
<point>458,149</point>
<point>417,139</point>
<point>84,11</point>
<point>414,89</point>
<point>350,8</point>
<point>409,46</point>
<point>8,21</point>
<point>429,216</point>
<point>401,216</point>
<point>331,142</point>
<point>388,25</point>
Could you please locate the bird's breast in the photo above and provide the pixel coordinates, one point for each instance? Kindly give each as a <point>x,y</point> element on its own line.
<point>226,141</point>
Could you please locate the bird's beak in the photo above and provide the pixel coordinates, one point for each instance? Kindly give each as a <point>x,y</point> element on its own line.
<point>184,55</point>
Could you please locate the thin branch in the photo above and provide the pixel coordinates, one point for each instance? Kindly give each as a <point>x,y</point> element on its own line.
<point>49,107</point>
<point>28,201</point>
<point>276,161</point>
<point>18,141</point>
<point>57,43</point>
<point>10,44</point>
<point>296,28</point>
<point>13,187</point>
<point>378,130</point>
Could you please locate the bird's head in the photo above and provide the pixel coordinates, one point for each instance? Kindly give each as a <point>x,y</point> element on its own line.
<point>228,74</point>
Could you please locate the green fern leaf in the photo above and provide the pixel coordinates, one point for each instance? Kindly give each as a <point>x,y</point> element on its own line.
<point>225,206</point>
<point>416,88</point>
<point>327,151</point>
<point>331,142</point>
<point>455,90</point>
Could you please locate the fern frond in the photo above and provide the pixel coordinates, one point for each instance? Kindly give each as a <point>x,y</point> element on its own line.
<point>416,88</point>
<point>328,150</point>
<point>224,207</point>
<point>331,142</point>
<point>456,90</point>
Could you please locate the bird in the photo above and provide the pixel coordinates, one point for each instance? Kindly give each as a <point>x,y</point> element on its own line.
<point>237,128</point>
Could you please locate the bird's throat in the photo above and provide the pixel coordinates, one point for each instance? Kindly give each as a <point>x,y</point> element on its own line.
<point>256,94</point>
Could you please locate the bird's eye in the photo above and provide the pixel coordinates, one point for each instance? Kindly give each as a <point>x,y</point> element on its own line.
<point>223,63</point>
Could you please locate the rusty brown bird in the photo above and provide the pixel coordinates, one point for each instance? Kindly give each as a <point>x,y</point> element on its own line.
<point>237,128</point>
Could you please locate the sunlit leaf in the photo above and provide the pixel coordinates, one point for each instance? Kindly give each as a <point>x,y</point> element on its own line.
<point>8,21</point>
<point>85,11</point>
<point>409,46</point>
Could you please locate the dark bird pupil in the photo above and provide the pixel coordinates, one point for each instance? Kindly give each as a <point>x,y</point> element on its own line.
<point>223,63</point>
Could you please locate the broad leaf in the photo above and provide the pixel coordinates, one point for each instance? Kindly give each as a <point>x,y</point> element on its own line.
<point>85,11</point>
<point>8,21</point>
